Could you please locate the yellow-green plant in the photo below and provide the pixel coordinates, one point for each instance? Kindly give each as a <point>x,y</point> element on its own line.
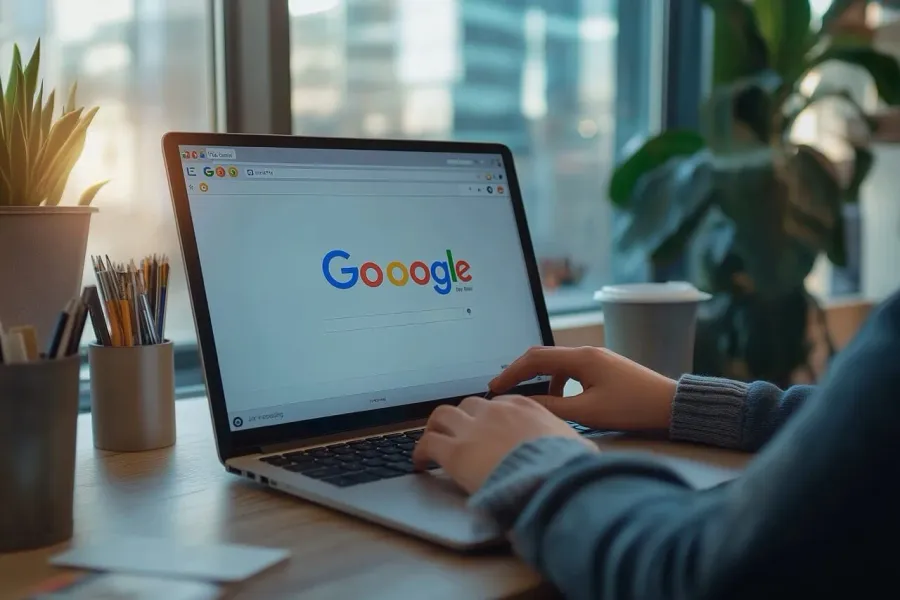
<point>37,153</point>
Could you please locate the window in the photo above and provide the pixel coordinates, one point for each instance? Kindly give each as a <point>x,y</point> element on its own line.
<point>538,75</point>
<point>146,64</point>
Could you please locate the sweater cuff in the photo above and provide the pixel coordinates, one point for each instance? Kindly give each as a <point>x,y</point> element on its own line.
<point>708,410</point>
<point>510,486</point>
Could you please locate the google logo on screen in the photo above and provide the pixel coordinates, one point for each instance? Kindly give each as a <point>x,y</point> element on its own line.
<point>442,273</point>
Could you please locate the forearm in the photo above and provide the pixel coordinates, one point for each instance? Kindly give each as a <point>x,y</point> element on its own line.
<point>732,414</point>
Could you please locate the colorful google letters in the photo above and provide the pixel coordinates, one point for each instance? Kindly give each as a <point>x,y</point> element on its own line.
<point>442,273</point>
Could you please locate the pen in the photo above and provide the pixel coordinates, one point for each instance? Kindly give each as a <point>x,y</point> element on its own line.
<point>91,298</point>
<point>29,341</point>
<point>14,348</point>
<point>79,319</point>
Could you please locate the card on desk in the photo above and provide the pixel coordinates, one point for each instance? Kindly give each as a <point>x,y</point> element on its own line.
<point>122,586</point>
<point>150,556</point>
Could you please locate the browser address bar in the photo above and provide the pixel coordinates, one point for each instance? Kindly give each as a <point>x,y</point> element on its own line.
<point>382,174</point>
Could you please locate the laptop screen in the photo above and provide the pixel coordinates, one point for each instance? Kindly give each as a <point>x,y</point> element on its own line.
<point>341,281</point>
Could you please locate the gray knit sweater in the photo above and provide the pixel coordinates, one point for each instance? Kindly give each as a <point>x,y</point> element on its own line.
<point>816,512</point>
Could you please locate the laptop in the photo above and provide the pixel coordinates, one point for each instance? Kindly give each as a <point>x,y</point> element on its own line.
<point>342,289</point>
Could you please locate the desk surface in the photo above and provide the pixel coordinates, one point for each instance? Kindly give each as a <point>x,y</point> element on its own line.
<point>183,492</point>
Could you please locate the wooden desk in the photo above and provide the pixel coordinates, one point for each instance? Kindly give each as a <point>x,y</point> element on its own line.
<point>183,492</point>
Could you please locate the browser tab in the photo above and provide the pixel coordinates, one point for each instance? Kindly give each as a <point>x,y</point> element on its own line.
<point>220,153</point>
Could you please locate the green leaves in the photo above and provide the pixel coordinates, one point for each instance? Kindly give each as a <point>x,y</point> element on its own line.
<point>654,153</point>
<point>883,68</point>
<point>785,26</point>
<point>739,49</point>
<point>37,154</point>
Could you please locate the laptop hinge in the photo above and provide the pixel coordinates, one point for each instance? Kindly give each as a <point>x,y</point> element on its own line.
<point>339,437</point>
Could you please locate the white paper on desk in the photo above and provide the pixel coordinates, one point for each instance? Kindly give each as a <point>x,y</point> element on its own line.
<point>222,562</point>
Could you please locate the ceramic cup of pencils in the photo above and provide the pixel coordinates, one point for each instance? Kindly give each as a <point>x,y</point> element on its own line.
<point>132,364</point>
<point>39,389</point>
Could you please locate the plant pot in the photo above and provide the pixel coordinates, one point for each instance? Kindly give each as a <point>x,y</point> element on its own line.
<point>39,404</point>
<point>42,255</point>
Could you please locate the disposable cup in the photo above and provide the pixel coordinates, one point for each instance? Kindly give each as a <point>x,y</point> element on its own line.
<point>653,324</point>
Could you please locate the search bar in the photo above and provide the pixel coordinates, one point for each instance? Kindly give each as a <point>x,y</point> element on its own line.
<point>384,174</point>
<point>396,319</point>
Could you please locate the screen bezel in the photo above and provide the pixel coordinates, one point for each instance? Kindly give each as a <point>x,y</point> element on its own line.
<point>238,443</point>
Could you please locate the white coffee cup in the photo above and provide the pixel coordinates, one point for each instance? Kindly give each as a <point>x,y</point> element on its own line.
<point>653,324</point>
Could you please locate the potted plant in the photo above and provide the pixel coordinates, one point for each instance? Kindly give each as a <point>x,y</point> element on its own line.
<point>42,244</point>
<point>743,206</point>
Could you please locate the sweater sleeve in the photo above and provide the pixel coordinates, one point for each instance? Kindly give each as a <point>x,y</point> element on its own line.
<point>732,414</point>
<point>812,516</point>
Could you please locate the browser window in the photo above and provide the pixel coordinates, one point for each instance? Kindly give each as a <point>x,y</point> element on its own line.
<point>340,281</point>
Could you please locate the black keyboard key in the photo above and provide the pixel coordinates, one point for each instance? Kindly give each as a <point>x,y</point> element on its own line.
<point>348,458</point>
<point>354,466</point>
<point>414,435</point>
<point>390,450</point>
<point>364,477</point>
<point>361,445</point>
<point>392,436</point>
<point>342,450</point>
<point>406,445</point>
<point>384,473</point>
<point>340,481</point>
<point>329,462</point>
<point>402,468</point>
<point>367,454</point>
<point>394,458</point>
<point>373,462</point>
<point>302,467</point>
<point>320,453</point>
<point>383,443</point>
<point>323,472</point>
<point>297,454</point>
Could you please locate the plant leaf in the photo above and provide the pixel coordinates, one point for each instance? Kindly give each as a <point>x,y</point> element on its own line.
<point>823,92</point>
<point>663,210</point>
<point>883,68</point>
<point>785,26</point>
<point>70,101</point>
<point>63,168</point>
<point>739,49</point>
<point>31,73</point>
<point>56,138</point>
<point>11,82</point>
<point>33,134</point>
<point>740,113</point>
<point>87,196</point>
<point>775,255</point>
<point>68,155</point>
<point>654,153</point>
<point>18,160</point>
<point>47,115</point>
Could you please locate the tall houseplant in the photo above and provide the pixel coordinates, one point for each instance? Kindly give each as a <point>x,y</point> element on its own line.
<point>42,244</point>
<point>746,209</point>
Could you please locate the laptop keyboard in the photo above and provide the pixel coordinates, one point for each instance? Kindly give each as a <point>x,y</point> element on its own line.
<point>361,461</point>
<point>352,463</point>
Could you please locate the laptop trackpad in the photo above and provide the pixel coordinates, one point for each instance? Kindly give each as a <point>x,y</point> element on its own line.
<point>427,502</point>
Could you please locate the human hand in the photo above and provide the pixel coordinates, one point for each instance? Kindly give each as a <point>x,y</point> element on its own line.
<point>471,439</point>
<point>618,393</point>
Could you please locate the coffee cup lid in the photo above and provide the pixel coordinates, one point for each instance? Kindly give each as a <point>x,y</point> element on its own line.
<point>647,293</point>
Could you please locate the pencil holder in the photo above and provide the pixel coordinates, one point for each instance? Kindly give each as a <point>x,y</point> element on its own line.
<point>39,408</point>
<point>133,396</point>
